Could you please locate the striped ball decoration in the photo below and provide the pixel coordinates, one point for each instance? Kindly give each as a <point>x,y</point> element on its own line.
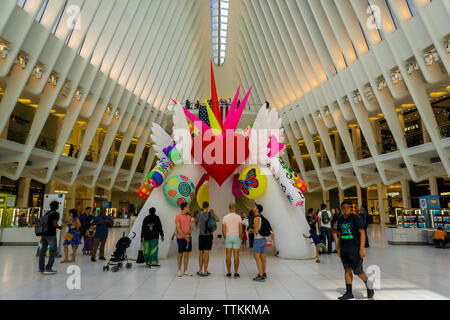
<point>179,189</point>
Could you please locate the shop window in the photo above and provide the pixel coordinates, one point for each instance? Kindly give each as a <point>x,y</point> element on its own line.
<point>20,122</point>
<point>441,110</point>
<point>444,191</point>
<point>413,128</point>
<point>387,143</point>
<point>417,190</point>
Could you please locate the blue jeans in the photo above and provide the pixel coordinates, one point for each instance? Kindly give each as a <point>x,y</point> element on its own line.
<point>326,235</point>
<point>47,241</point>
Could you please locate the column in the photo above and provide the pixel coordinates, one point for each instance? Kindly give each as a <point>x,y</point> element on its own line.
<point>381,205</point>
<point>326,198</point>
<point>341,196</point>
<point>323,154</point>
<point>285,158</point>
<point>377,129</point>
<point>337,147</point>
<point>24,193</point>
<point>426,136</point>
<point>433,186</point>
<point>50,187</point>
<point>71,197</point>
<point>359,195</point>
<point>406,194</point>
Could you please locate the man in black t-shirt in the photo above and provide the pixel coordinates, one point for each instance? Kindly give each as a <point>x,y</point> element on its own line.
<point>49,239</point>
<point>350,248</point>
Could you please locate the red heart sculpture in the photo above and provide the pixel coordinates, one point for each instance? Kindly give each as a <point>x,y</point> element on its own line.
<point>214,151</point>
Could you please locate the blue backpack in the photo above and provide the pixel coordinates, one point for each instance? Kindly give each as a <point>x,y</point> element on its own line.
<point>211,224</point>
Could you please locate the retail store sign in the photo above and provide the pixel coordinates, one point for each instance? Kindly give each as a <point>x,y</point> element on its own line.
<point>430,202</point>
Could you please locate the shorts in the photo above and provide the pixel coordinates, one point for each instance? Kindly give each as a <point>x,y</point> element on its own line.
<point>184,246</point>
<point>353,262</point>
<point>232,242</point>
<point>205,242</point>
<point>259,245</point>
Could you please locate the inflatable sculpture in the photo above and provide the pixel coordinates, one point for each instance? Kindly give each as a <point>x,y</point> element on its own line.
<point>208,158</point>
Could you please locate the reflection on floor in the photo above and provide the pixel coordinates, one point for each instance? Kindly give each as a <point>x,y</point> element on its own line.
<point>407,272</point>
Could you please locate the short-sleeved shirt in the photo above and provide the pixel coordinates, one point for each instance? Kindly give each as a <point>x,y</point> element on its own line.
<point>322,224</point>
<point>185,223</point>
<point>350,238</point>
<point>101,230</point>
<point>53,215</point>
<point>203,218</point>
<point>232,221</point>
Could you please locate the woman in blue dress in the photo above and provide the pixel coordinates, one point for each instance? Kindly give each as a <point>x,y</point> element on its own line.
<point>72,237</point>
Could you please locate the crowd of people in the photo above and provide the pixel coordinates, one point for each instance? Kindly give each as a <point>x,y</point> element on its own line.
<point>339,225</point>
<point>92,230</point>
<point>234,233</point>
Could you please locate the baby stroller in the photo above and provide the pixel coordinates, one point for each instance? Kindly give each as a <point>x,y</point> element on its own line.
<point>120,255</point>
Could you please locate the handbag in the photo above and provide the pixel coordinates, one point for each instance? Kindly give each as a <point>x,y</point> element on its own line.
<point>140,257</point>
<point>68,236</point>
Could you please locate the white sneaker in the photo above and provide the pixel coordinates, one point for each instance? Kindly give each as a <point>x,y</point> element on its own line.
<point>180,274</point>
<point>187,274</point>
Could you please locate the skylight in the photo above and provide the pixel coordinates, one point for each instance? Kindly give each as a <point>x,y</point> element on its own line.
<point>219,29</point>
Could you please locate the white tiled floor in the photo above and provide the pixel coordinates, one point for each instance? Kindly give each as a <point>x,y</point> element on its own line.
<point>407,272</point>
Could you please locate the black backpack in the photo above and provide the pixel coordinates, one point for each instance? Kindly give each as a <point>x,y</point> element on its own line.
<point>266,228</point>
<point>325,217</point>
<point>41,228</point>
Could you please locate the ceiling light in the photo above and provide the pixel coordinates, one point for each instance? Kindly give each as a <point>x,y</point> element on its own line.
<point>22,61</point>
<point>53,79</point>
<point>381,84</point>
<point>396,77</point>
<point>108,108</point>
<point>411,67</point>
<point>117,114</point>
<point>431,56</point>
<point>4,51</point>
<point>357,97</point>
<point>78,94</point>
<point>38,71</point>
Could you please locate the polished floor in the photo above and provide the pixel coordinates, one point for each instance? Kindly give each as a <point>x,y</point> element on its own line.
<point>407,272</point>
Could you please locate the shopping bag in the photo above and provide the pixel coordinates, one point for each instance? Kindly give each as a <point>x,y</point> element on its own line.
<point>140,257</point>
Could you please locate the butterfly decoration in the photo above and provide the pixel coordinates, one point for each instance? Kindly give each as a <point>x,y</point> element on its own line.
<point>250,182</point>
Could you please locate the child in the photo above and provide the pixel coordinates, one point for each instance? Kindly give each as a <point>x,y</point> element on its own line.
<point>244,237</point>
<point>269,243</point>
<point>317,242</point>
<point>89,240</point>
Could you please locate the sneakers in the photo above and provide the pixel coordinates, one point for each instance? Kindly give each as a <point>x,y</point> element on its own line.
<point>187,274</point>
<point>208,273</point>
<point>201,274</point>
<point>179,274</point>
<point>102,258</point>
<point>347,296</point>
<point>258,278</point>
<point>317,261</point>
<point>40,272</point>
<point>264,276</point>
<point>229,275</point>
<point>49,272</point>
<point>237,275</point>
<point>276,254</point>
<point>156,265</point>
<point>370,291</point>
<point>93,260</point>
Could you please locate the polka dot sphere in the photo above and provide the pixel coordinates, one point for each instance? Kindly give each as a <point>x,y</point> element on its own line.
<point>179,189</point>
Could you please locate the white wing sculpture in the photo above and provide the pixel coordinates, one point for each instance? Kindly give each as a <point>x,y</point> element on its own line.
<point>161,139</point>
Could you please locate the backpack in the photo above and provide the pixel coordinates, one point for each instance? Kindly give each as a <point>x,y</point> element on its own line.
<point>211,224</point>
<point>41,228</point>
<point>266,228</point>
<point>325,217</point>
